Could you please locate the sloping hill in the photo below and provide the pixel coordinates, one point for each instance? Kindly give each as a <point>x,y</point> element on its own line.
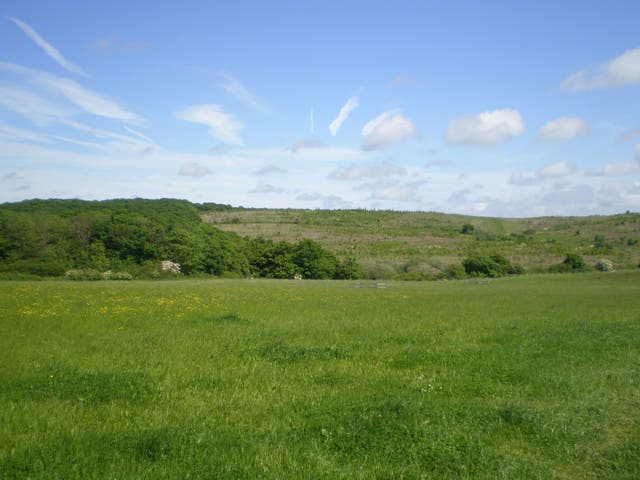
<point>406,242</point>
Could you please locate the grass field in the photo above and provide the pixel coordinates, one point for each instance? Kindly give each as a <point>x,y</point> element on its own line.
<point>532,377</point>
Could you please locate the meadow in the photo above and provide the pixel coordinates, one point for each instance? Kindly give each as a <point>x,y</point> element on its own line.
<point>529,377</point>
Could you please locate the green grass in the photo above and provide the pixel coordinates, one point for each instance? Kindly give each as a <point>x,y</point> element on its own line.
<point>532,377</point>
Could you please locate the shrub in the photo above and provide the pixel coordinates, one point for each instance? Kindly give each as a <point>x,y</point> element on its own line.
<point>467,228</point>
<point>85,274</point>
<point>604,265</point>
<point>349,270</point>
<point>487,266</point>
<point>109,275</point>
<point>572,263</point>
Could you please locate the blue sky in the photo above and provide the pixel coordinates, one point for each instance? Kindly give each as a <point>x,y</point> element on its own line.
<point>483,108</point>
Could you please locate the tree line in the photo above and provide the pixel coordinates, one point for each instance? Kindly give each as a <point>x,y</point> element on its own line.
<point>51,237</point>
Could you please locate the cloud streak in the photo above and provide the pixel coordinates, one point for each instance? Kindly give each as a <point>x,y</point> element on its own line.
<point>88,100</point>
<point>223,126</point>
<point>49,49</point>
<point>235,88</point>
<point>350,105</point>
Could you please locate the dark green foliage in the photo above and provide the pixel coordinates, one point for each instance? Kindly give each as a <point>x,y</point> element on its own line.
<point>313,261</point>
<point>572,263</point>
<point>467,228</point>
<point>349,270</point>
<point>495,265</point>
<point>47,238</point>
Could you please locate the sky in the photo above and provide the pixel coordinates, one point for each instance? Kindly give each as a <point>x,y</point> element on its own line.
<point>509,109</point>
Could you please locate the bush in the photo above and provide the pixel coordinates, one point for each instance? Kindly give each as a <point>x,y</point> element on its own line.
<point>86,274</point>
<point>604,265</point>
<point>467,228</point>
<point>109,275</point>
<point>488,266</point>
<point>349,270</point>
<point>572,263</point>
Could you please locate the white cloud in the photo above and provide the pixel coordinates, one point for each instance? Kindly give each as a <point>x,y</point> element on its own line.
<point>224,126</point>
<point>48,48</point>
<point>486,128</point>
<point>387,128</point>
<point>269,169</point>
<point>562,129</point>
<point>265,188</point>
<point>621,168</point>
<point>620,71</point>
<point>550,171</point>
<point>356,172</point>
<point>192,169</point>
<point>88,100</point>
<point>523,179</point>
<point>234,87</point>
<point>557,169</point>
<point>346,109</point>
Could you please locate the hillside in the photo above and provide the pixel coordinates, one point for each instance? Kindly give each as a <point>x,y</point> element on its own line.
<point>50,237</point>
<point>405,242</point>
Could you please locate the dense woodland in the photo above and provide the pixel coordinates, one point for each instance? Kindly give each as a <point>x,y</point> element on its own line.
<point>51,237</point>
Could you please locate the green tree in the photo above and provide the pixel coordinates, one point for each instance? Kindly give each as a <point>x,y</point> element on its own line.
<point>313,261</point>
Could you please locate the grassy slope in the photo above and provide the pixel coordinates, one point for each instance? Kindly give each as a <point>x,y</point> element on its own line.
<point>533,377</point>
<point>402,238</point>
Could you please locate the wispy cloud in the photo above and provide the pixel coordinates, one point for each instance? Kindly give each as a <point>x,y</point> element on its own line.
<point>192,169</point>
<point>630,135</point>
<point>563,129</point>
<point>234,87</point>
<point>486,128</point>
<point>18,134</point>
<point>345,111</point>
<point>556,170</point>
<point>88,100</point>
<point>269,169</point>
<point>265,188</point>
<point>31,106</point>
<point>439,163</point>
<point>49,49</point>
<point>224,126</point>
<point>550,171</point>
<point>138,134</point>
<point>305,143</point>
<point>386,129</point>
<point>106,134</point>
<point>620,71</point>
<point>116,45</point>
<point>356,172</point>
